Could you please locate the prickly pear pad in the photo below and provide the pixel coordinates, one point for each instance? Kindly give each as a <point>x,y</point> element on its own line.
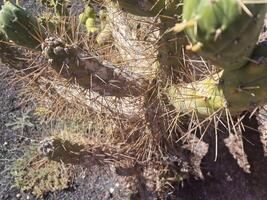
<point>226,30</point>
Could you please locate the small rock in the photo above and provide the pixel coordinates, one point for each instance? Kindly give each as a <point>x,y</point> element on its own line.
<point>18,196</point>
<point>111,190</point>
<point>5,143</point>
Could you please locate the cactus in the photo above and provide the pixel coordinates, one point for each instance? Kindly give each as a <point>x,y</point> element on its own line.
<point>20,27</point>
<point>245,88</point>
<point>87,13</point>
<point>238,90</point>
<point>239,83</point>
<point>211,28</point>
<point>88,19</point>
<point>203,97</point>
<point>224,31</point>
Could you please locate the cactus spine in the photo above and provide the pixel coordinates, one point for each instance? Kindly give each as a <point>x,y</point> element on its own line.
<point>203,97</point>
<point>20,27</point>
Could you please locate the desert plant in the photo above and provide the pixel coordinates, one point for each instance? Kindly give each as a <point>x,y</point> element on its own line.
<point>39,175</point>
<point>151,110</point>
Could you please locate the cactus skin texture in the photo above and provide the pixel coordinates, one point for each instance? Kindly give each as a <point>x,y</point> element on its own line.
<point>20,27</point>
<point>238,90</point>
<point>222,30</point>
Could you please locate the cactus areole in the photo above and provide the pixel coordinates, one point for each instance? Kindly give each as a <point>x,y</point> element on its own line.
<point>20,26</point>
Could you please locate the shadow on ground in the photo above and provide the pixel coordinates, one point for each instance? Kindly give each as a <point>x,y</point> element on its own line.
<point>224,179</point>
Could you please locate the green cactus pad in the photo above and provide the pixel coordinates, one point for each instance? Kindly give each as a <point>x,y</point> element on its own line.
<point>227,31</point>
<point>20,27</point>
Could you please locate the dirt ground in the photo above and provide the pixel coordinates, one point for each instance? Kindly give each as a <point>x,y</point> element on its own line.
<point>224,179</point>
